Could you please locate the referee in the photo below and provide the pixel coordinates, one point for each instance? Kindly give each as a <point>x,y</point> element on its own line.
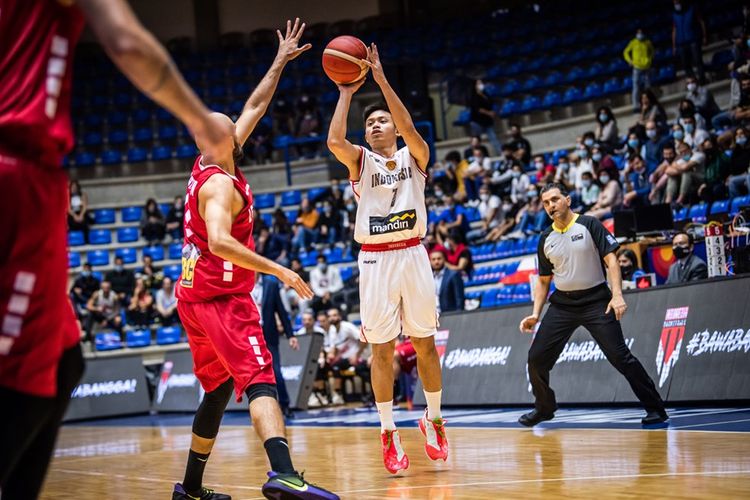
<point>574,249</point>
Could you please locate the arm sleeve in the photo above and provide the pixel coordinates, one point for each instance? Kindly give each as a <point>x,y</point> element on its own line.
<point>603,240</point>
<point>545,266</point>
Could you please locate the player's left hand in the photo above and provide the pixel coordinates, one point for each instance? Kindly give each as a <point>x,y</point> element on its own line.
<point>294,343</point>
<point>618,305</point>
<point>289,44</point>
<point>373,61</point>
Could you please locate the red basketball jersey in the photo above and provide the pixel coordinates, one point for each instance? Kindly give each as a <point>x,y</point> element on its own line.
<point>204,275</point>
<point>37,38</point>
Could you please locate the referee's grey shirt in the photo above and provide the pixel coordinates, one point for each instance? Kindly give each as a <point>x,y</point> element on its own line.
<point>574,254</point>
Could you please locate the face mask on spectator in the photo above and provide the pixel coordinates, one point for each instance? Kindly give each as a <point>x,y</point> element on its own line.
<point>507,207</point>
<point>516,174</point>
<point>350,206</point>
<point>85,274</point>
<point>633,143</point>
<point>604,179</point>
<point>603,117</point>
<point>484,196</point>
<point>640,36</point>
<point>692,86</point>
<point>588,142</point>
<point>626,269</point>
<point>480,87</point>
<point>322,267</point>
<point>596,156</point>
<point>651,133</point>
<point>327,208</point>
<point>680,252</point>
<point>586,183</point>
<point>686,157</point>
<point>583,153</point>
<point>438,194</point>
<point>539,165</point>
<point>677,7</point>
<point>741,140</point>
<point>689,128</point>
<point>678,135</point>
<point>531,193</point>
<point>563,166</point>
<point>118,267</point>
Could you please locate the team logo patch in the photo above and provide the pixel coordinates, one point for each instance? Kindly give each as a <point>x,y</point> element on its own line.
<point>391,223</point>
<point>576,237</point>
<point>611,239</point>
<point>391,165</point>
<point>672,333</point>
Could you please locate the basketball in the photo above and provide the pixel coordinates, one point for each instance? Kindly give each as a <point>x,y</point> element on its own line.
<point>342,59</point>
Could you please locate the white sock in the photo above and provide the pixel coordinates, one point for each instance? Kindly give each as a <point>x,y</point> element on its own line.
<point>385,412</point>
<point>433,404</point>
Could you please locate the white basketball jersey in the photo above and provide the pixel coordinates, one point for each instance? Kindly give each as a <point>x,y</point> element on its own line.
<point>390,195</point>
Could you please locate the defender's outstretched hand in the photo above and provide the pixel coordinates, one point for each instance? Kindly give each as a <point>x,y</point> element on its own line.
<point>289,44</point>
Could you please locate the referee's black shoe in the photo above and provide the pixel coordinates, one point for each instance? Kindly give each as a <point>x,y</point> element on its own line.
<point>534,417</point>
<point>655,417</point>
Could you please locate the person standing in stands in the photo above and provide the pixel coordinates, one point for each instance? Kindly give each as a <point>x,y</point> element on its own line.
<point>483,116</point>
<point>575,251</point>
<point>639,54</point>
<point>688,31</point>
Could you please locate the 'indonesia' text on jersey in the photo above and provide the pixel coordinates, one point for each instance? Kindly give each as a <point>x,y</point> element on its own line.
<point>390,192</point>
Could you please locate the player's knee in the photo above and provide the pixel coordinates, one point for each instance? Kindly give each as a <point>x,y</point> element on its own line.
<point>208,417</point>
<point>424,346</point>
<point>384,352</point>
<point>256,391</point>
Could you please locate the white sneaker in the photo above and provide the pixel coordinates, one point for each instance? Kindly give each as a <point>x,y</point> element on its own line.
<point>336,399</point>
<point>323,399</point>
<point>313,401</point>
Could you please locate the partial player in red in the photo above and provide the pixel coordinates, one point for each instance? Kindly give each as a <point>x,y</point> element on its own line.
<point>221,319</point>
<point>40,358</point>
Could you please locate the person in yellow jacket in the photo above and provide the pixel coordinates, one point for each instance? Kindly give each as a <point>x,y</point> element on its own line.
<point>639,54</point>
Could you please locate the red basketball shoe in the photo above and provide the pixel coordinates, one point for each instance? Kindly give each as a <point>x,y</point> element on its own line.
<point>394,457</point>
<point>436,443</point>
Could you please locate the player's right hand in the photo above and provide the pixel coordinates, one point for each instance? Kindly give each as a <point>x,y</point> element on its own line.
<point>528,323</point>
<point>292,279</point>
<point>351,88</point>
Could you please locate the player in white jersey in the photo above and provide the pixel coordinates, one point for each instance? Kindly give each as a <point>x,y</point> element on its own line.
<point>397,290</point>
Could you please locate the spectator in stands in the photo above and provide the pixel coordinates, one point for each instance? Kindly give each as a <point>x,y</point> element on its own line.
<point>688,266</point>
<point>305,225</point>
<point>519,185</point>
<point>258,223</point>
<point>80,304</point>
<point>637,186</point>
<point>174,218</point>
<point>531,218</point>
<point>687,108</point>
<point>79,217</point>
<point>309,124</point>
<point>659,177</point>
<point>452,217</point>
<point>483,116</point>
<point>319,396</point>
<point>457,253</point>
<point>140,309</point>
<point>153,226</point>
<point>151,274</point>
<point>652,150</point>
<point>631,147</point>
<point>740,57</point>
<point>166,304</point>
<point>121,279</point>
<point>521,147</point>
<point>589,191</point>
<point>445,176</point>
<point>335,195</point>
<point>490,209</point>
<point>274,246</point>
<point>565,173</point>
<point>628,262</point>
<point>449,287</point>
<point>87,282</point>
<point>474,142</point>
<point>688,31</point>
<point>601,160</point>
<point>258,144</point>
<point>606,129</point>
<point>544,172</point>
<point>639,54</point>
<point>308,325</point>
<point>610,197</point>
<point>738,115</point>
<point>694,136</point>
<point>651,110</point>
<point>581,160</point>
<point>678,134</point>
<point>344,350</point>
<point>714,185</point>
<point>326,283</point>
<point>702,98</point>
<point>329,225</point>
<point>685,175</point>
<point>291,298</point>
<point>104,309</point>
<point>283,116</point>
<point>480,158</point>
<point>739,166</point>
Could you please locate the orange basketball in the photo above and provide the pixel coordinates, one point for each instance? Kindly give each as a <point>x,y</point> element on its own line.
<point>342,59</point>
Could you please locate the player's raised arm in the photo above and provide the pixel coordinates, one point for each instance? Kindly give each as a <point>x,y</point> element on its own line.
<point>401,117</point>
<point>257,103</point>
<point>147,64</point>
<point>216,198</point>
<point>344,151</point>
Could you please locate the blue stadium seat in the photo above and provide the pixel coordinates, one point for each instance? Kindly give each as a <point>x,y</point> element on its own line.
<point>595,70</point>
<point>738,203</point>
<point>309,259</point>
<point>100,236</point>
<point>698,212</point>
<point>104,216</point>
<point>335,256</point>
<point>131,214</point>
<point>346,273</point>
<point>92,139</point>
<point>142,134</point>
<point>165,208</point>
<point>531,83</point>
<point>186,151</point>
<point>128,255</point>
<point>573,74</point>
<point>530,103</point>
<point>592,91</point>
<point>510,87</point>
<point>167,132</point>
<point>161,153</point>
<point>175,251</point>
<point>137,154</point>
<point>141,116</point>
<point>680,214</point>
<point>97,257</point>
<point>111,157</point>
<point>138,338</point>
<point>267,219</point>
<point>553,79</point>
<point>665,74</point>
<point>264,200</point>
<point>75,238</point>
<point>315,194</point>
<point>74,259</point>
<point>168,335</point>
<point>492,90</point>
<point>173,272</point>
<point>573,94</point>
<point>84,159</point>
<point>156,252</point>
<point>118,137</point>
<point>107,341</point>
<point>611,86</point>
<point>464,118</point>
<point>720,207</point>
<point>291,215</point>
<point>489,299</point>
<point>551,99</point>
<point>117,118</point>
<point>292,197</point>
<point>510,107</point>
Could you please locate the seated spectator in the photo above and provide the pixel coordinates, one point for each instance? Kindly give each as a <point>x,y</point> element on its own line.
<point>474,142</point>
<point>518,143</point>
<point>258,223</point>
<point>685,175</point>
<point>687,109</point>
<point>482,115</point>
<point>631,147</point>
<point>153,226</point>
<point>258,146</point>
<point>457,253</point>
<point>104,310</point>
<point>319,397</point>
<point>589,191</point>
<point>580,162</point>
<point>175,217</point>
<point>166,304</point>
<point>480,158</point>
<point>544,173</point>
<point>738,115</point>
<point>79,217</point>
<point>688,266</point>
<point>292,300</point>
<point>283,116</point>
<point>714,185</point>
<point>601,160</point>
<point>443,173</point>
<point>610,197</point>
<point>151,274</point>
<point>140,309</point>
<point>449,287</point>
<point>519,185</point>
<point>309,124</point>
<point>329,224</point>
<point>651,110</point>
<point>335,195</point>
<point>628,262</point>
<point>531,218</point>
<point>639,54</point>
<point>273,246</point>
<point>740,57</point>
<point>80,304</point>
<point>306,223</point>
<point>637,185</point>
<point>739,166</point>
<point>653,147</point>
<point>87,282</point>
<point>565,173</point>
<point>344,350</point>
<point>694,136</point>
<point>121,279</point>
<point>452,217</point>
<point>308,325</point>
<point>606,129</point>
<point>491,210</point>
<point>281,225</point>
<point>326,284</point>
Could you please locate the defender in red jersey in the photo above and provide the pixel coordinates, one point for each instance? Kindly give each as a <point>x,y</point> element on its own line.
<point>221,319</point>
<point>40,359</point>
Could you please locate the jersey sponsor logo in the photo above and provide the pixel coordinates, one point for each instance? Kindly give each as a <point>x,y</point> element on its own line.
<point>369,262</point>
<point>672,333</point>
<point>107,388</point>
<point>576,237</point>
<point>391,223</point>
<point>190,256</point>
<point>379,179</point>
<point>477,356</point>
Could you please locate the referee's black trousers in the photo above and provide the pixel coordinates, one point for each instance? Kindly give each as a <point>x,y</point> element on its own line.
<point>558,325</point>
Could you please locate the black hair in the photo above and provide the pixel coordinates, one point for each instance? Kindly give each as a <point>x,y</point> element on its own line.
<point>454,156</point>
<point>321,256</point>
<point>378,106</point>
<point>629,254</point>
<point>554,185</point>
<point>691,238</point>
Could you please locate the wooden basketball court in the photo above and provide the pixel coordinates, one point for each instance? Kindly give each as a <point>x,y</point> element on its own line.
<point>126,462</point>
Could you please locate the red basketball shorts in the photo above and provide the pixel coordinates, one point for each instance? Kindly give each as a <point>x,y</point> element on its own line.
<point>37,322</point>
<point>226,340</point>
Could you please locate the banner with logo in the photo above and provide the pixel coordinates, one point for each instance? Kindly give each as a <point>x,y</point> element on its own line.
<point>110,386</point>
<point>693,340</point>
